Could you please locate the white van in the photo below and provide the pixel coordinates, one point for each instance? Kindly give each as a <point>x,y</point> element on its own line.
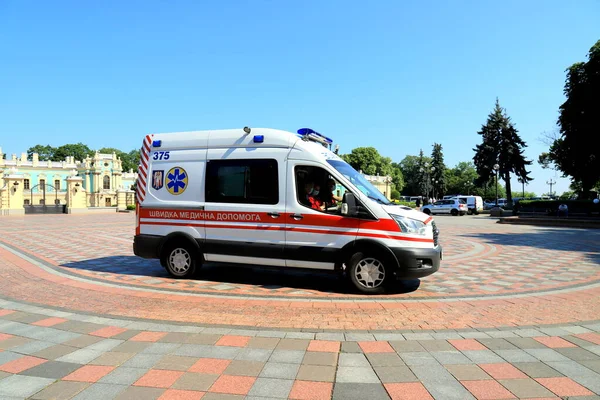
<point>270,197</point>
<point>474,204</point>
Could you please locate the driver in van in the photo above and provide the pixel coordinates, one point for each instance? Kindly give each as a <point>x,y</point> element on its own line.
<point>311,200</point>
<point>330,198</point>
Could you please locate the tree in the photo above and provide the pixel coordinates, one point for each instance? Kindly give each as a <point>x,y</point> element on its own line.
<point>573,152</point>
<point>412,176</point>
<point>461,179</point>
<point>488,191</point>
<point>395,195</point>
<point>528,195</point>
<point>45,153</point>
<point>502,145</point>
<point>369,161</point>
<point>80,151</point>
<point>438,176</point>
<point>397,178</point>
<point>133,161</point>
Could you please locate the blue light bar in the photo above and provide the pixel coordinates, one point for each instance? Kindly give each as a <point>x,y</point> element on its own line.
<point>311,133</point>
<point>156,143</point>
<point>259,138</point>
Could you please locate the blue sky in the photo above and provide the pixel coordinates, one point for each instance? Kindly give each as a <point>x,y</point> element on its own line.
<point>395,75</point>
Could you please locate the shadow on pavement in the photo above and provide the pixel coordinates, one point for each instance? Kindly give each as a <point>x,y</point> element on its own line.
<point>560,239</point>
<point>259,276</point>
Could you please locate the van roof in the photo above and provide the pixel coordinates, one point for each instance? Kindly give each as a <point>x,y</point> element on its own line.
<point>306,139</point>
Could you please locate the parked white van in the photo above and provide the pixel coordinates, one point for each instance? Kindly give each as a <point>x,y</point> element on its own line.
<point>474,204</point>
<point>270,197</point>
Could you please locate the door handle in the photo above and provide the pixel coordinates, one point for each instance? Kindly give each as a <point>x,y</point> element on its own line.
<point>274,214</point>
<point>297,217</point>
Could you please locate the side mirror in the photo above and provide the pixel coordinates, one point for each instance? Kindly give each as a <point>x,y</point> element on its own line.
<point>349,207</point>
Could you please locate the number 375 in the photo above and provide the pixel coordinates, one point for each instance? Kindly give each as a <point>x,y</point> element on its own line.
<point>161,155</point>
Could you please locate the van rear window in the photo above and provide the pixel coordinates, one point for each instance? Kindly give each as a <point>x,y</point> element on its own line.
<point>249,181</point>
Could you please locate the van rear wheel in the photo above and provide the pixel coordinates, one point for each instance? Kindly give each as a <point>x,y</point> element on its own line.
<point>454,212</point>
<point>367,273</point>
<point>180,260</point>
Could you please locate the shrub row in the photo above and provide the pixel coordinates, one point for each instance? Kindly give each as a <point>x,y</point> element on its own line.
<point>551,206</point>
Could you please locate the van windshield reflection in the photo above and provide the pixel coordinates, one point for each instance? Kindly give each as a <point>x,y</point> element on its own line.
<point>359,181</point>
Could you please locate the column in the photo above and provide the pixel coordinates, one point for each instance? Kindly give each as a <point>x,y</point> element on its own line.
<point>14,194</point>
<point>76,195</point>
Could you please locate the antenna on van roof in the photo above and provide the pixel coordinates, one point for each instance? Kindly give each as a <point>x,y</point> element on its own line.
<point>309,134</point>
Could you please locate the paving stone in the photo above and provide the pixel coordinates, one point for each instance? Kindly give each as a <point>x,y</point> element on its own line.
<point>528,333</point>
<point>526,388</point>
<point>83,341</point>
<point>175,363</point>
<point>81,356</point>
<point>474,335</point>
<point>516,356</point>
<point>124,376</point>
<point>592,365</point>
<point>32,347</point>
<point>300,335</point>
<point>22,386</point>
<point>13,342</point>
<point>263,343</point>
<point>440,383</point>
<point>194,350</point>
<point>161,348</point>
<point>576,329</point>
<point>359,337</point>
<point>54,352</point>
<point>244,368</point>
<point>339,337</point>
<point>450,357</point>
<point>143,361</point>
<point>293,344</point>
<point>578,354</point>
<point>446,335</point>
<point>221,396</point>
<point>139,393</point>
<point>418,358</point>
<point>546,355</point>
<point>418,336</point>
<point>287,356</point>
<point>526,343</point>
<point>579,373</point>
<point>502,334</point>
<point>320,358</point>
<point>577,341</point>
<point>194,381</point>
<point>467,372</point>
<point>406,346</point>
<point>280,370</point>
<point>202,338</point>
<point>101,391</point>
<point>112,358</point>
<point>317,373</point>
<point>127,335</point>
<point>436,345</point>
<point>389,336</point>
<point>537,370</point>
<point>397,374</point>
<point>52,369</point>
<point>354,360</point>
<point>351,347</point>
<point>175,337</point>
<point>271,334</point>
<point>551,331</point>
<point>359,391</point>
<point>61,390</point>
<point>269,387</point>
<point>4,375</point>
<point>497,344</point>
<point>246,354</point>
<point>385,360</point>
<point>77,327</point>
<point>105,345</point>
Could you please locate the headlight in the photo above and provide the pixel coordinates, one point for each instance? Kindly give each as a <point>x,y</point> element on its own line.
<point>409,225</point>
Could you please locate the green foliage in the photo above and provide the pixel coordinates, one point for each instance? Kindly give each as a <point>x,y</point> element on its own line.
<point>461,178</point>
<point>130,161</point>
<point>528,195</point>
<point>410,204</point>
<point>573,152</point>
<point>397,177</point>
<point>131,207</point>
<point>502,145</point>
<point>567,195</point>
<point>369,161</point>
<point>438,176</point>
<point>488,191</point>
<point>45,153</point>
<point>79,150</point>
<point>412,177</point>
<point>395,195</point>
<point>551,206</point>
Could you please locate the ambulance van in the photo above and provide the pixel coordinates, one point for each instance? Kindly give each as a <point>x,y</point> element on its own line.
<point>273,198</point>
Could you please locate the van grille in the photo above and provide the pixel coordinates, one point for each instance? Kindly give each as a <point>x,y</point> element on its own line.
<point>436,233</point>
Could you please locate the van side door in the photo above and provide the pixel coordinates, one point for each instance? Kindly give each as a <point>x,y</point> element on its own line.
<point>245,205</point>
<point>315,229</point>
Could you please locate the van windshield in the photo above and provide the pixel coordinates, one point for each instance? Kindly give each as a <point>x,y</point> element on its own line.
<point>359,181</point>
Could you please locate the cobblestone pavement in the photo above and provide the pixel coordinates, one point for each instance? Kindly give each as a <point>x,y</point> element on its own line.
<point>514,313</point>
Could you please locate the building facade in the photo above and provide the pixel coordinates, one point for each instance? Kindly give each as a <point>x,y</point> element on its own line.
<point>381,183</point>
<point>45,182</point>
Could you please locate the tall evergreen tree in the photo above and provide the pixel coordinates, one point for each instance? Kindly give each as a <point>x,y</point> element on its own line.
<point>502,145</point>
<point>421,170</point>
<point>438,176</point>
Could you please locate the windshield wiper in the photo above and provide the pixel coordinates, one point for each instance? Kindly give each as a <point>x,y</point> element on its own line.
<point>377,200</point>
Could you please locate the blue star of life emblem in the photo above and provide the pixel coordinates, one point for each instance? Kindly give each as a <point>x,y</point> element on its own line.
<point>177,180</point>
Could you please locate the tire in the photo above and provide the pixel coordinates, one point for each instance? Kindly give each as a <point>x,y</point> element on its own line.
<point>368,273</point>
<point>427,211</point>
<point>180,260</point>
<point>470,212</point>
<point>454,212</point>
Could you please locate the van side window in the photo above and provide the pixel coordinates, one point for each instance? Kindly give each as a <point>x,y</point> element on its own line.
<point>316,189</point>
<point>242,181</point>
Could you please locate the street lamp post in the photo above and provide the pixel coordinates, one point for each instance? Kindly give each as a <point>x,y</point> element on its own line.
<point>551,182</point>
<point>427,171</point>
<point>496,168</point>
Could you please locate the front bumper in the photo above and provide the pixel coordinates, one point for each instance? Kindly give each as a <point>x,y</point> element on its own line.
<point>147,246</point>
<point>417,263</point>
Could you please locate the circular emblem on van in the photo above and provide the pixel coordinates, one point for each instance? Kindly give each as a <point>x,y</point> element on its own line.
<point>176,180</point>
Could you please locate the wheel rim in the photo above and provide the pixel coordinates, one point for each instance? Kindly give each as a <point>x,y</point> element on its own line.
<point>180,261</point>
<point>369,273</point>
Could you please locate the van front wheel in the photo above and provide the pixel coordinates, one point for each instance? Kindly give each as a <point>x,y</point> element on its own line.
<point>180,261</point>
<point>368,274</point>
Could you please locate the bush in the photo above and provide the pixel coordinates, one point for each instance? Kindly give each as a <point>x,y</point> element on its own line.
<point>131,207</point>
<point>550,207</point>
<point>411,204</point>
<point>395,194</point>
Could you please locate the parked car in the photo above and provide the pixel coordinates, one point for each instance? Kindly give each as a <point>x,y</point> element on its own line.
<point>474,204</point>
<point>451,206</point>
